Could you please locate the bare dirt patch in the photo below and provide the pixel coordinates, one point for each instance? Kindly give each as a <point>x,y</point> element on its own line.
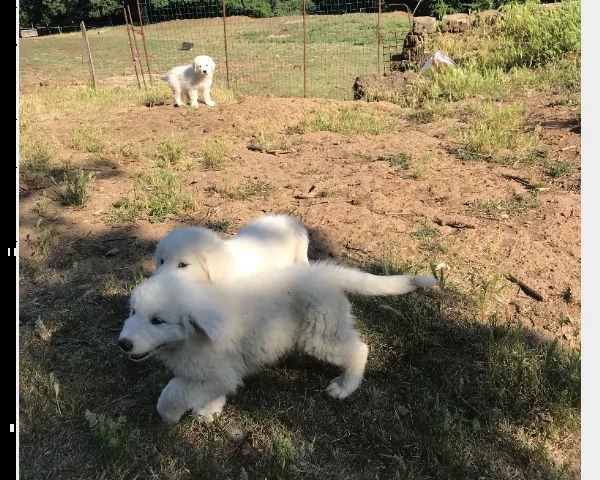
<point>357,204</point>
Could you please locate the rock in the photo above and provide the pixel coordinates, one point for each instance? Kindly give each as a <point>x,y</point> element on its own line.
<point>393,87</point>
<point>425,25</point>
<point>457,22</point>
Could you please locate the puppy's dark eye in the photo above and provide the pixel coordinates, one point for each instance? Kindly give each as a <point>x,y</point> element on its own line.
<point>162,261</point>
<point>156,321</point>
<point>133,311</point>
<point>182,265</point>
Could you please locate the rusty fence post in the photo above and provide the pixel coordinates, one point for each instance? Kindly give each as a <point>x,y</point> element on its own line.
<point>143,39</point>
<point>133,57</point>
<point>137,52</point>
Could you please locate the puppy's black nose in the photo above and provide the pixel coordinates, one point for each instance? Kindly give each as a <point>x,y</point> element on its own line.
<point>125,345</point>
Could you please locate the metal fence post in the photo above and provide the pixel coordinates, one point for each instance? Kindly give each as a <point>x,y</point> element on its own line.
<point>304,43</point>
<point>379,37</point>
<point>143,39</point>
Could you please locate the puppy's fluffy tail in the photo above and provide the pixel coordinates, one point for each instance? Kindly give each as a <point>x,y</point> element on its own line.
<point>355,281</point>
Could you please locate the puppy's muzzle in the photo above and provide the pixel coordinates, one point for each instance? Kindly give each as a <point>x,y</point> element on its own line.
<point>125,345</point>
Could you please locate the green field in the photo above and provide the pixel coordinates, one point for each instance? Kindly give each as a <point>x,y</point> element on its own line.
<point>265,56</point>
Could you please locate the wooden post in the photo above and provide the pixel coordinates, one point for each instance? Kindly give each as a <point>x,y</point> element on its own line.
<point>225,43</point>
<point>86,47</point>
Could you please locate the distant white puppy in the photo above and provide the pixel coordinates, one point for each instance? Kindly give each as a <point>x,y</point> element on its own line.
<point>212,337</point>
<point>201,255</point>
<point>192,81</point>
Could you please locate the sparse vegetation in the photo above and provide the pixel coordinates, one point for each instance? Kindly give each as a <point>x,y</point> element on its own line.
<point>156,195</point>
<point>171,152</point>
<point>560,169</point>
<point>77,189</point>
<point>347,120</point>
<point>214,153</point>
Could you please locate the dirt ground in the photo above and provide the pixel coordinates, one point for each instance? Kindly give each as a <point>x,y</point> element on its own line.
<point>357,206</point>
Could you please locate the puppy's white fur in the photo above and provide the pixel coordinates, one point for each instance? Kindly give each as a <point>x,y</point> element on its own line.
<point>192,82</point>
<point>200,254</point>
<point>212,336</point>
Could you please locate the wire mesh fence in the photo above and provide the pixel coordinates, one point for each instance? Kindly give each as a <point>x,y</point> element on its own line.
<point>315,52</point>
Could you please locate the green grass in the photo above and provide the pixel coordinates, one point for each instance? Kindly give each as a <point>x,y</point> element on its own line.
<point>347,120</point>
<point>500,128</point>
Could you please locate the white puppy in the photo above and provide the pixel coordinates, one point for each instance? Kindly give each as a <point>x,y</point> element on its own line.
<point>213,336</point>
<point>192,81</point>
<point>200,254</point>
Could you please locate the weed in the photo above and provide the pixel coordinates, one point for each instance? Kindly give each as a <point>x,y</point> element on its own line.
<point>282,464</point>
<point>214,153</point>
<point>519,203</point>
<point>41,206</point>
<point>400,160</point>
<point>425,233</point>
<point>156,194</point>
<point>124,211</point>
<point>249,189</point>
<point>560,169</point>
<point>44,243</point>
<point>171,151</point>
<point>77,189</point>
<point>86,139</point>
<point>219,226</point>
<point>500,128</point>
<point>112,435</point>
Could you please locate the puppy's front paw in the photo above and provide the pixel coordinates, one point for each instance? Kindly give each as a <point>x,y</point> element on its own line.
<point>168,417</point>
<point>210,103</point>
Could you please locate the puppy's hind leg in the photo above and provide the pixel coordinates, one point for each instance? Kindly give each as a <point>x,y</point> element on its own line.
<point>352,357</point>
<point>177,96</point>
<point>343,347</point>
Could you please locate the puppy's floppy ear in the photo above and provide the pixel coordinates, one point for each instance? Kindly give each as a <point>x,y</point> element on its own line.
<point>209,321</point>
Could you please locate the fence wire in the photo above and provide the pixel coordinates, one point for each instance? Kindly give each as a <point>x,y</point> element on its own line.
<point>316,52</point>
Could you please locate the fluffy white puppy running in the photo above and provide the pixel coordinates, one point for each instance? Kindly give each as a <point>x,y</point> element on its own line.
<point>192,81</point>
<point>212,337</point>
<point>201,255</point>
